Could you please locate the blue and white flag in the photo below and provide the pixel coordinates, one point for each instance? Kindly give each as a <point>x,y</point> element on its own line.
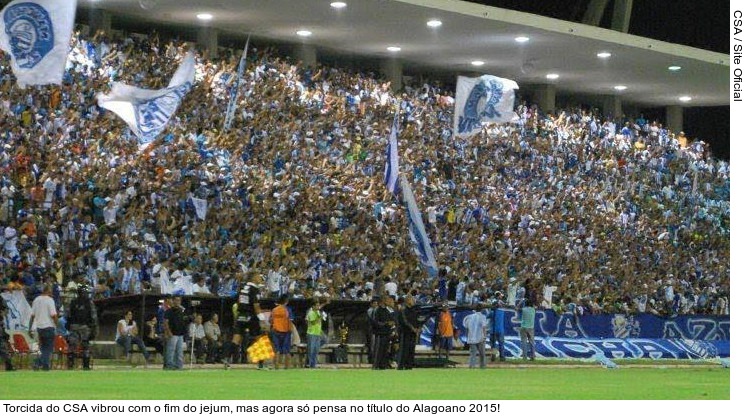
<point>232,105</point>
<point>147,112</point>
<point>420,241</point>
<point>391,163</point>
<point>483,99</point>
<point>19,311</point>
<point>37,34</point>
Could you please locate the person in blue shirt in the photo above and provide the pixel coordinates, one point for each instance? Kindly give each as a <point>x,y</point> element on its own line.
<point>497,332</point>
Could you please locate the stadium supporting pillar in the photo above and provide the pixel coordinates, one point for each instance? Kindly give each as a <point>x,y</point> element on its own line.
<point>306,53</point>
<point>392,69</point>
<point>594,12</point>
<point>545,97</point>
<point>621,15</point>
<point>100,20</point>
<point>208,41</point>
<point>612,106</point>
<point>674,118</point>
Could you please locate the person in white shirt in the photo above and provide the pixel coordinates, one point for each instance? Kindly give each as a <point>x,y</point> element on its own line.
<point>127,333</point>
<point>200,286</point>
<point>391,288</point>
<point>44,314</point>
<point>547,302</point>
<point>198,337</point>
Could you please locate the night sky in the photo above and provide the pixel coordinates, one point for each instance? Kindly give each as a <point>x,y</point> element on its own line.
<point>693,23</point>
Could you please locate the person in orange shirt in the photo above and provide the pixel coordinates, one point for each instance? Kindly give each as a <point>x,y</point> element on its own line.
<point>281,331</point>
<point>446,331</point>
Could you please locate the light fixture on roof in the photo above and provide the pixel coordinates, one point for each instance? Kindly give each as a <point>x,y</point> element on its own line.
<point>434,23</point>
<point>303,33</point>
<point>674,68</point>
<point>685,98</point>
<point>205,16</point>
<point>620,88</point>
<point>393,48</point>
<point>477,63</point>
<point>552,76</point>
<point>338,5</point>
<point>521,39</point>
<point>604,54</point>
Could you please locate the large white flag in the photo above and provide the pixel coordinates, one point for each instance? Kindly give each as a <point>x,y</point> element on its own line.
<point>19,311</point>
<point>37,34</point>
<point>147,112</point>
<point>484,99</point>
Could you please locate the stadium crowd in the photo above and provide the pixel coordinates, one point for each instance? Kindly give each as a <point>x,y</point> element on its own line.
<point>573,210</point>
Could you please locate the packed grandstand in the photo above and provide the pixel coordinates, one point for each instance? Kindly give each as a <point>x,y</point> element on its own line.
<point>581,211</point>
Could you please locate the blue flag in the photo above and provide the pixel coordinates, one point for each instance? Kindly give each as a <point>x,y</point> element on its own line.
<point>419,239</point>
<point>391,163</point>
<point>235,91</point>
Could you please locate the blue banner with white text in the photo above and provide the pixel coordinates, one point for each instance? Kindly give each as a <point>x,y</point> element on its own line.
<point>614,335</point>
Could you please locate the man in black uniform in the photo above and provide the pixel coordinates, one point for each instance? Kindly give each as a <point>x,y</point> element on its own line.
<point>4,337</point>
<point>82,323</point>
<point>246,320</point>
<point>408,330</point>
<point>371,333</point>
<point>383,321</point>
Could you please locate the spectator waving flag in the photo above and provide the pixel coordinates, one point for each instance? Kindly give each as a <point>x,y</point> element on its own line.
<point>232,105</point>
<point>147,112</point>
<point>483,99</point>
<point>391,164</point>
<point>37,34</point>
<point>421,244</point>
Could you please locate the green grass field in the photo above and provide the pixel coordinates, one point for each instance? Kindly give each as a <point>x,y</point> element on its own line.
<point>548,382</point>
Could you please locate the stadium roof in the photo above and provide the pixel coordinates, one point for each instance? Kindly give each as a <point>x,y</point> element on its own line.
<point>468,32</point>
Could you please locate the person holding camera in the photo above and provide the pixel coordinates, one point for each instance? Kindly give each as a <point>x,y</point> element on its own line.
<point>128,333</point>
